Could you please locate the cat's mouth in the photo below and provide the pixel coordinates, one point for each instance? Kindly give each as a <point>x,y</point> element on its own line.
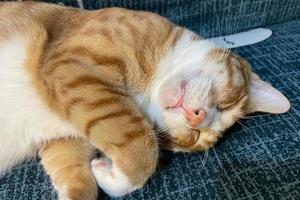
<point>193,140</point>
<point>195,117</point>
<point>184,140</point>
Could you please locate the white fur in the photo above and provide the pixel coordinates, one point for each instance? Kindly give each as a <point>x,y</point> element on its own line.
<point>111,179</point>
<point>25,122</point>
<point>62,192</point>
<point>186,59</point>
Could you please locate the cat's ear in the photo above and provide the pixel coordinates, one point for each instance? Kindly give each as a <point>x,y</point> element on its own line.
<point>265,98</point>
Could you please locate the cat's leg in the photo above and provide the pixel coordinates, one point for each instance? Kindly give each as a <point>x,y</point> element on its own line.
<point>129,142</point>
<point>67,161</point>
<point>114,124</point>
<point>100,107</point>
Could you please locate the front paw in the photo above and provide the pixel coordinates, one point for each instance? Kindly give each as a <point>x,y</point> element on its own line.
<point>110,179</point>
<point>75,183</point>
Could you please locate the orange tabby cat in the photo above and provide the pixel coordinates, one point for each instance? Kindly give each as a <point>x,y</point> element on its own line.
<point>71,78</point>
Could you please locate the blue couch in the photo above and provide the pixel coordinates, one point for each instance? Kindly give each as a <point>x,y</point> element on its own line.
<point>259,158</point>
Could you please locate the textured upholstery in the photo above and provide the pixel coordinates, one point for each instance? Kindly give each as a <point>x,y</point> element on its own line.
<point>259,158</point>
<point>209,17</point>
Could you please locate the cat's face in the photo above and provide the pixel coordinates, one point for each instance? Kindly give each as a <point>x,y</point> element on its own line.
<point>208,95</point>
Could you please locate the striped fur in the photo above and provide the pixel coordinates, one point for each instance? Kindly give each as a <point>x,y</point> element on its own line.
<point>73,81</point>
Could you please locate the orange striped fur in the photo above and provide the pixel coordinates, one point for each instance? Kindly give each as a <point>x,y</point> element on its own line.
<point>101,71</point>
<point>84,66</point>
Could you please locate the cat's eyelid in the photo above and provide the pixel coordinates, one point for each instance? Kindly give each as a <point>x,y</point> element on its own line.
<point>220,109</point>
<point>225,107</point>
<point>231,105</point>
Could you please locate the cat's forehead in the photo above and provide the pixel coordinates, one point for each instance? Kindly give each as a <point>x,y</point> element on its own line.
<point>222,70</point>
<point>232,74</point>
<point>227,68</point>
<point>224,79</point>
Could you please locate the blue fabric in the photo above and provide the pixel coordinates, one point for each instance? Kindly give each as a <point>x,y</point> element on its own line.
<point>208,17</point>
<point>259,158</point>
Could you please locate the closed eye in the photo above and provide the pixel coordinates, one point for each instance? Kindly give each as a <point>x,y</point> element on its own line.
<point>221,108</point>
<point>228,106</point>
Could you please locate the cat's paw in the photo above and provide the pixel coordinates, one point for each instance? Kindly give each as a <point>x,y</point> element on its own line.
<point>75,182</point>
<point>110,179</point>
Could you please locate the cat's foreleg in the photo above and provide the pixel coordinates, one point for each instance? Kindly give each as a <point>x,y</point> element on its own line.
<point>67,161</point>
<point>129,142</point>
<point>101,108</point>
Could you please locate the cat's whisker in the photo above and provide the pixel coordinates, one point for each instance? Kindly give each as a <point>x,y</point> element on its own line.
<point>158,128</point>
<point>204,160</point>
<point>223,56</point>
<point>218,26</point>
<point>163,137</point>
<point>188,126</point>
<point>255,116</point>
<point>244,126</point>
<point>213,77</point>
<point>161,154</point>
<point>162,131</point>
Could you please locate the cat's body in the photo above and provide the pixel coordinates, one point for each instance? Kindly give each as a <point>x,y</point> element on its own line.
<point>23,114</point>
<point>72,78</point>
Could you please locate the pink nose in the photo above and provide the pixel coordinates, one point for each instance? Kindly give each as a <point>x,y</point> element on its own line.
<point>195,118</point>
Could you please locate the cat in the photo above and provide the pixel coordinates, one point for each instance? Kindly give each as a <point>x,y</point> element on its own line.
<point>73,81</point>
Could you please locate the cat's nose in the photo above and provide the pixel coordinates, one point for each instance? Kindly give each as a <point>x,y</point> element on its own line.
<point>195,118</point>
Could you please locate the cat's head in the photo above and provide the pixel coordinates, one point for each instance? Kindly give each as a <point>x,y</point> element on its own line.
<point>202,90</point>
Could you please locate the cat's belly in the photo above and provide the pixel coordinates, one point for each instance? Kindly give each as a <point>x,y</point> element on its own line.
<point>25,121</point>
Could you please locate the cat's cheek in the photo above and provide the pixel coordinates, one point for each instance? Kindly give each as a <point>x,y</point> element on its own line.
<point>110,178</point>
<point>171,91</point>
<point>225,120</point>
